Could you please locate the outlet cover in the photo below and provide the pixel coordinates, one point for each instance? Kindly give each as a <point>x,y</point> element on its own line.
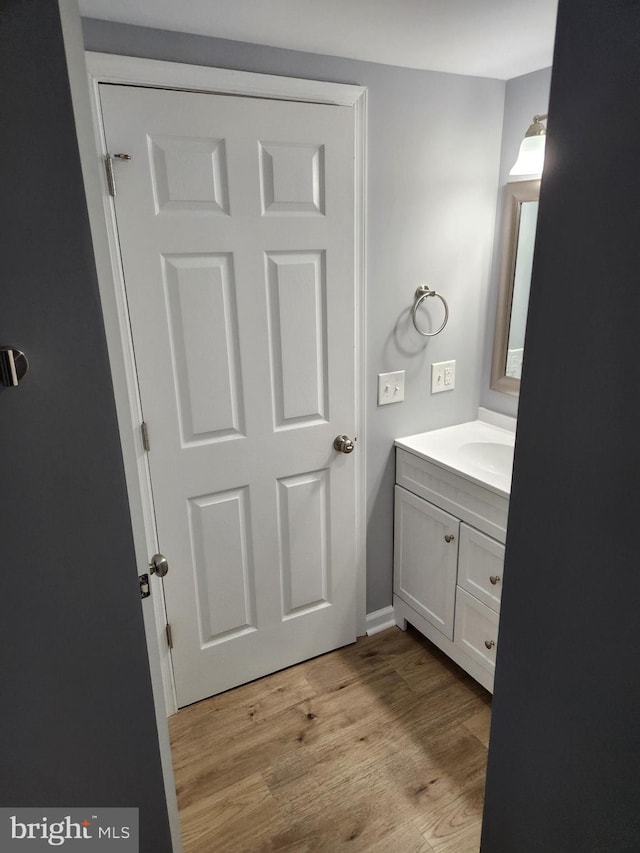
<point>443,376</point>
<point>390,387</point>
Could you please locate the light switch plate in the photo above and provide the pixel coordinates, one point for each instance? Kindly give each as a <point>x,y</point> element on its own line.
<point>390,387</point>
<point>443,376</point>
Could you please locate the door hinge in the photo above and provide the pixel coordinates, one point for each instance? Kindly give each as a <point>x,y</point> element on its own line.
<point>108,166</point>
<point>169,636</point>
<point>145,436</point>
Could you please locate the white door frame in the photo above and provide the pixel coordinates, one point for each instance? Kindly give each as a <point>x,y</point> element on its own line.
<point>109,68</point>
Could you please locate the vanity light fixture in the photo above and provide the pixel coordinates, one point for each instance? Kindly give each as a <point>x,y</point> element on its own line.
<point>530,160</point>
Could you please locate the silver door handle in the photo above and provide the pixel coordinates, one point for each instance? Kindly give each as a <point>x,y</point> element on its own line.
<point>13,366</point>
<point>344,444</point>
<point>159,565</point>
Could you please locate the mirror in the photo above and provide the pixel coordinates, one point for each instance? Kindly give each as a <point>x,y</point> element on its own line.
<point>518,238</point>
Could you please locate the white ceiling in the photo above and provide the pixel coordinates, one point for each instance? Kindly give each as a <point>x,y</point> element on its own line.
<point>488,38</point>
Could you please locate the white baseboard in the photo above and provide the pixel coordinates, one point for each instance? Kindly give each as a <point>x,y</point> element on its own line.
<point>379,620</point>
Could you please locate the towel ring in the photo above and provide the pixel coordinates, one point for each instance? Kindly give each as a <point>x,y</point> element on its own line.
<point>422,293</point>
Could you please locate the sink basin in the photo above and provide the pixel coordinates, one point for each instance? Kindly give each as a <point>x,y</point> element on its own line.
<point>477,450</point>
<point>488,456</point>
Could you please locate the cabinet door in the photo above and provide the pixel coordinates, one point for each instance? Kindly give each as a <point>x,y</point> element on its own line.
<point>425,559</point>
<point>481,566</point>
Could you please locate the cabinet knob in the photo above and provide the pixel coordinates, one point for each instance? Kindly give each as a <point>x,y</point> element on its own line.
<point>495,579</point>
<point>449,537</point>
<point>489,643</point>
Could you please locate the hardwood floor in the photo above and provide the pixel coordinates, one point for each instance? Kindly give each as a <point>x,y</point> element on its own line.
<point>380,746</point>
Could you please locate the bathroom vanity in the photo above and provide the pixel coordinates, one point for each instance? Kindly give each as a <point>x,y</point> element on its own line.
<point>451,505</point>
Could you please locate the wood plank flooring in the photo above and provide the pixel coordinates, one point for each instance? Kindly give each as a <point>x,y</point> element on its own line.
<point>380,746</point>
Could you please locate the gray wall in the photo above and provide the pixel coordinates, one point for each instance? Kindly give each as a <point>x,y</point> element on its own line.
<point>434,146</point>
<point>565,740</point>
<point>525,97</point>
<point>78,719</point>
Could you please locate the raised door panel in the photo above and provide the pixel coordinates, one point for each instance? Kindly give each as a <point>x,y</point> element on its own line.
<point>292,178</point>
<point>303,511</point>
<point>425,559</point>
<point>203,321</point>
<point>298,337</point>
<point>481,566</point>
<point>223,565</point>
<point>188,174</point>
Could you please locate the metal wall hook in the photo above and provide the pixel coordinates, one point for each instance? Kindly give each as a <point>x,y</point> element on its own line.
<point>13,366</point>
<point>422,293</point>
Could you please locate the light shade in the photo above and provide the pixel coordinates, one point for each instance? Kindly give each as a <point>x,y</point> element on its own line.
<point>530,160</point>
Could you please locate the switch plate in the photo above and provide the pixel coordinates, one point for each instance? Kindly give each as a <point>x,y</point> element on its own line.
<point>390,387</point>
<point>443,376</point>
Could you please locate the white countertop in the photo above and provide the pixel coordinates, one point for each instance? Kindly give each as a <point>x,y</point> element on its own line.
<point>477,450</point>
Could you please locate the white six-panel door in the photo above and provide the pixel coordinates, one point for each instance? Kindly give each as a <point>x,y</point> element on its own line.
<point>235,219</point>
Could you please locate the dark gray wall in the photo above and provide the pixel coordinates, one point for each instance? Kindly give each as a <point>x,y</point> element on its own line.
<point>78,723</point>
<point>431,212</point>
<point>565,744</point>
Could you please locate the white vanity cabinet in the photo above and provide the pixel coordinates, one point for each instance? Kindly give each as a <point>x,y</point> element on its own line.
<point>449,560</point>
<point>426,559</point>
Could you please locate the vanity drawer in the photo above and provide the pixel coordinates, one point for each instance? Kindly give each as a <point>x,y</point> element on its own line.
<point>476,629</point>
<point>481,566</point>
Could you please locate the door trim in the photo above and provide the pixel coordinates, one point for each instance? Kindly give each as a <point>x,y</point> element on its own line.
<point>109,68</point>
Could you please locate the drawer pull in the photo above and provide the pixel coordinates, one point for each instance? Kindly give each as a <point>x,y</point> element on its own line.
<point>489,643</point>
<point>449,537</point>
<point>495,579</point>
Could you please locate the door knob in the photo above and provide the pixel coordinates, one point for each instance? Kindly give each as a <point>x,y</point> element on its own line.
<point>13,366</point>
<point>159,565</point>
<point>344,444</point>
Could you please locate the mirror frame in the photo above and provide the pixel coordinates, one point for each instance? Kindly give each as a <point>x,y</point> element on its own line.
<point>515,193</point>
